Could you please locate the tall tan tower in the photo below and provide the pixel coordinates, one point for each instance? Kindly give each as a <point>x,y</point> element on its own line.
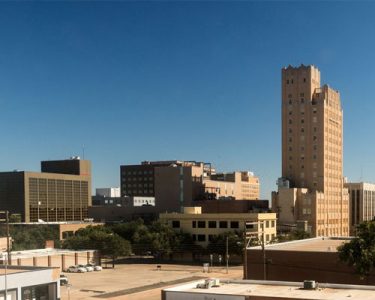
<point>311,188</point>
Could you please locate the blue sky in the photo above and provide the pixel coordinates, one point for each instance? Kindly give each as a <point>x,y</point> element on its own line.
<point>135,81</point>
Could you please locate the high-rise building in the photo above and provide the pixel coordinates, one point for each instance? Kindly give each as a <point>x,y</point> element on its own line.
<point>311,187</point>
<point>61,192</point>
<point>361,203</point>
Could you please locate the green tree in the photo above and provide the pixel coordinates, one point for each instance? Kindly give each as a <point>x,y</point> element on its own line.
<point>235,243</point>
<point>99,238</point>
<point>360,251</point>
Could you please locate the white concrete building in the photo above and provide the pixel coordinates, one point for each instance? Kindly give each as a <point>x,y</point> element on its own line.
<point>110,192</point>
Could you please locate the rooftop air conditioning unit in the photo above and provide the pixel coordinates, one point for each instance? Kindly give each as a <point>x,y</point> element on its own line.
<point>309,284</point>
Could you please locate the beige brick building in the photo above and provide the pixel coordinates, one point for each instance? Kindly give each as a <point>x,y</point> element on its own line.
<point>204,226</point>
<point>361,203</point>
<point>311,187</point>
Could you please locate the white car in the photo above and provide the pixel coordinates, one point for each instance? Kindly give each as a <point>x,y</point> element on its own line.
<point>89,268</point>
<point>96,268</point>
<point>76,269</point>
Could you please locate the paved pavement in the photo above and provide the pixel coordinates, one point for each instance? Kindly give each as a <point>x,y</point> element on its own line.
<point>136,281</point>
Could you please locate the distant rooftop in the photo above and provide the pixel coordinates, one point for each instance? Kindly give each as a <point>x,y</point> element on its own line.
<point>43,252</point>
<point>280,289</point>
<point>318,244</point>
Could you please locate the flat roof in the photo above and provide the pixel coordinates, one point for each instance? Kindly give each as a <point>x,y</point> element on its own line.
<point>43,252</point>
<point>318,244</point>
<point>280,289</point>
<point>21,269</point>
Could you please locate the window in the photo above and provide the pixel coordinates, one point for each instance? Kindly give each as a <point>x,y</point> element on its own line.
<point>302,129</point>
<point>267,224</point>
<point>223,224</point>
<point>211,237</point>
<point>287,81</point>
<point>267,237</point>
<point>176,224</point>
<point>290,121</point>
<point>201,224</point>
<point>194,224</point>
<point>234,224</point>
<point>250,226</point>
<point>290,102</point>
<point>194,236</point>
<point>201,238</point>
<point>273,224</point>
<point>302,121</point>
<point>211,224</point>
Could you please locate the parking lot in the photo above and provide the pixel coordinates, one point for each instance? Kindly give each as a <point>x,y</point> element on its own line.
<point>136,281</point>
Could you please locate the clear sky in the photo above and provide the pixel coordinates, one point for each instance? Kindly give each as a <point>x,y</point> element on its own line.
<point>135,81</point>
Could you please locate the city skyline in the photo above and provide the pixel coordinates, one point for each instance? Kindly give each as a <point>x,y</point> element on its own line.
<point>132,81</point>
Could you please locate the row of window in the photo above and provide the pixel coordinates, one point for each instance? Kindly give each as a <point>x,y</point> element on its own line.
<point>138,178</point>
<point>210,237</point>
<point>220,224</point>
<point>145,172</point>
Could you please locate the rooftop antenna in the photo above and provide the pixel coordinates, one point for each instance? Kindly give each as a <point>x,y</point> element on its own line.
<point>361,178</point>
<point>83,151</point>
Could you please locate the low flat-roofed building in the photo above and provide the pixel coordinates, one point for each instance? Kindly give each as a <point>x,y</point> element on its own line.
<point>50,257</point>
<point>205,226</point>
<point>316,259</point>
<point>29,283</point>
<point>61,230</point>
<point>267,290</point>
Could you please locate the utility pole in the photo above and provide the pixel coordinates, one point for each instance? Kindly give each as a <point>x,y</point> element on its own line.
<point>264,254</point>
<point>226,253</point>
<point>8,237</point>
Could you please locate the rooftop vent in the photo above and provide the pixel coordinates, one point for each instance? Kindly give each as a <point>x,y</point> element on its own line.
<point>309,285</point>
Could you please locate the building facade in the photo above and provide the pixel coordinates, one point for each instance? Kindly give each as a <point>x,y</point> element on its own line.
<point>205,226</point>
<point>361,203</point>
<point>311,188</point>
<point>176,184</point>
<point>111,192</point>
<point>24,283</point>
<point>46,196</point>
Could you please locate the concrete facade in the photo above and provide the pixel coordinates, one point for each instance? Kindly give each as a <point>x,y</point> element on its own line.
<point>311,188</point>
<point>30,283</point>
<point>57,258</point>
<point>361,203</point>
<point>47,196</point>
<point>204,226</point>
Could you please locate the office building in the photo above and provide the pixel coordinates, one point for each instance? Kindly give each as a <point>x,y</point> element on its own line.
<point>311,187</point>
<point>205,226</point>
<point>361,203</point>
<point>63,195</point>
<point>176,184</point>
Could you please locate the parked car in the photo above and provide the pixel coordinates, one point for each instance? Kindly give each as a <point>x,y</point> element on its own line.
<point>63,280</point>
<point>95,267</point>
<point>87,267</point>
<point>76,269</point>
